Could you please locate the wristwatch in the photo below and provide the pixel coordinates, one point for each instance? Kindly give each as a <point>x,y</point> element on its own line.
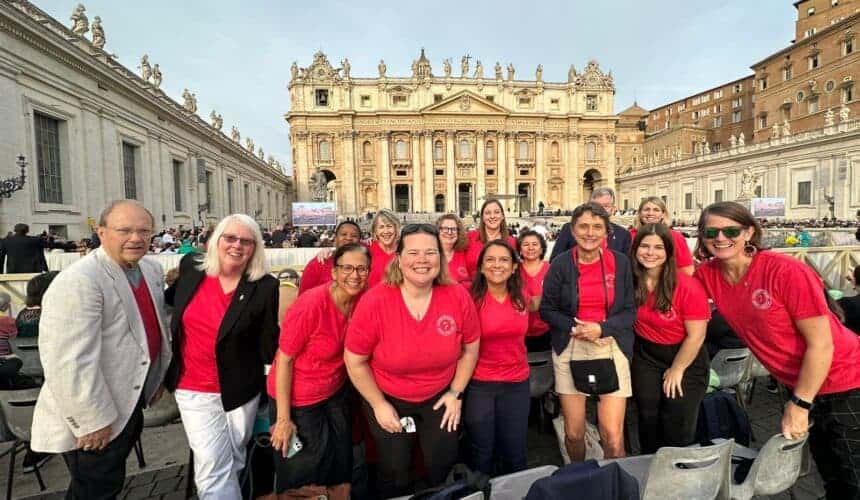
<point>457,394</point>
<point>806,405</point>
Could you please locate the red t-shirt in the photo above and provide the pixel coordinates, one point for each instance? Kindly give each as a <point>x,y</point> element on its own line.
<point>200,323</point>
<point>762,308</point>
<point>378,264</point>
<point>690,302</point>
<point>503,355</point>
<point>457,269</point>
<point>312,332</point>
<point>410,359</point>
<point>149,317</point>
<point>683,257</point>
<point>316,274</point>
<point>474,250</point>
<point>533,287</point>
<point>596,286</point>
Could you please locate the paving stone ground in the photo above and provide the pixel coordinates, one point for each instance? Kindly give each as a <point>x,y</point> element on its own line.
<point>166,453</point>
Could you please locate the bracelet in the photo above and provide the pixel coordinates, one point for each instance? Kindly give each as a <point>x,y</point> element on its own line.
<point>806,405</point>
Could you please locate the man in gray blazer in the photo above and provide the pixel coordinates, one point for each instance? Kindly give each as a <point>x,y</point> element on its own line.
<point>104,347</point>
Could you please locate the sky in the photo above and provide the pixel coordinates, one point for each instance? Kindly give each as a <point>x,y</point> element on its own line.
<point>236,55</point>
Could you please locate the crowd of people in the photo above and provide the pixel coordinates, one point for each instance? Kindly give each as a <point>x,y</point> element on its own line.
<point>414,342</point>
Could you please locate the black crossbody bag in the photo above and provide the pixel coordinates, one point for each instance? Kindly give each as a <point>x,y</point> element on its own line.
<point>596,376</point>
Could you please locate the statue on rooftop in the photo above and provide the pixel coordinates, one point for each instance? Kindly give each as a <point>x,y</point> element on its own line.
<point>511,71</point>
<point>80,22</point>
<point>156,76</point>
<point>234,134</point>
<point>190,99</point>
<point>498,69</point>
<point>98,33</point>
<point>382,68</point>
<point>217,120</point>
<point>145,68</point>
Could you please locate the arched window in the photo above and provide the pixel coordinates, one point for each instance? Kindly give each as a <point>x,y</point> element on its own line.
<point>490,151</point>
<point>523,150</point>
<point>553,151</point>
<point>439,203</point>
<point>325,150</point>
<point>438,151</point>
<point>400,152</point>
<point>465,149</point>
<point>367,151</point>
<point>591,151</point>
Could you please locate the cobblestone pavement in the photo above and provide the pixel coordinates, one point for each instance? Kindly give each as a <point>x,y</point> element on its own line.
<point>166,453</point>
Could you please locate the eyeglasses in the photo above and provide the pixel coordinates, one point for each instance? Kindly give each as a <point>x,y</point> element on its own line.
<point>231,239</point>
<point>729,232</point>
<point>126,232</point>
<point>349,268</point>
<point>446,229</point>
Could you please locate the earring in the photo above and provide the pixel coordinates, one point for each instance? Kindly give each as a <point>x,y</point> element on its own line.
<point>749,249</point>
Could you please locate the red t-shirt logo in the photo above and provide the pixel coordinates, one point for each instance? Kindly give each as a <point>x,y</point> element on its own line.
<point>761,299</point>
<point>669,315</point>
<point>445,325</point>
<point>462,271</point>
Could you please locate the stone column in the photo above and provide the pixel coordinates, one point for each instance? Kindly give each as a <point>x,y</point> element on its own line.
<point>415,192</point>
<point>481,174</point>
<point>511,186</point>
<point>450,172</point>
<point>384,190</point>
<point>571,173</point>
<point>609,160</point>
<point>350,167</point>
<point>301,170</point>
<point>540,167</point>
<point>429,174</point>
<point>501,164</point>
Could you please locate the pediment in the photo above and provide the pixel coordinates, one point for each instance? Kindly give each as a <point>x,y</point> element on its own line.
<point>465,102</point>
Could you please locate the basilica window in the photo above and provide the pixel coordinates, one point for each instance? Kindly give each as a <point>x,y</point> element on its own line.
<point>365,101</point>
<point>591,151</point>
<point>848,46</point>
<point>48,158</point>
<point>321,97</point>
<point>400,152</point>
<point>398,100</point>
<point>554,151</point>
<point>490,151</point>
<point>367,151</point>
<point>438,151</point>
<point>848,93</point>
<point>553,104</point>
<point>591,102</point>
<point>813,61</point>
<point>465,149</point>
<point>325,150</point>
<point>437,98</point>
<point>523,150</point>
<point>524,101</point>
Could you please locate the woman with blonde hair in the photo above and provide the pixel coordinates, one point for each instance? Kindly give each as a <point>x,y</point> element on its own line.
<point>385,231</point>
<point>652,210</point>
<point>224,330</point>
<point>454,246</point>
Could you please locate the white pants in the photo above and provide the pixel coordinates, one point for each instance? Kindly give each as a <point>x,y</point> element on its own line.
<point>218,440</point>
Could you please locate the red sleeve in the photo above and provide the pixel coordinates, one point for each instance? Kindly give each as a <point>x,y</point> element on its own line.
<point>362,334</point>
<point>692,299</point>
<point>310,276</point>
<point>683,257</point>
<point>296,327</point>
<point>471,321</point>
<point>801,291</point>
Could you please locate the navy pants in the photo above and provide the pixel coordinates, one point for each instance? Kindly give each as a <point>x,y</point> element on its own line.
<point>496,415</point>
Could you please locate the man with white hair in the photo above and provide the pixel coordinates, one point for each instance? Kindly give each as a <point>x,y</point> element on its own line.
<point>104,353</point>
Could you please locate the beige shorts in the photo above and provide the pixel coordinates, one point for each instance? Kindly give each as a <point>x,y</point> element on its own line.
<point>581,349</point>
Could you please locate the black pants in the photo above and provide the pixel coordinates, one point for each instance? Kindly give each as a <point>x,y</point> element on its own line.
<point>395,450</point>
<point>496,415</point>
<point>98,475</point>
<point>325,430</point>
<point>664,421</point>
<point>833,441</point>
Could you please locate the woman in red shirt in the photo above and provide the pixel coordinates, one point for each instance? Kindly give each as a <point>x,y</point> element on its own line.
<point>385,230</point>
<point>652,210</point>
<point>492,227</point>
<point>776,305</point>
<point>411,348</point>
<point>454,245</point>
<point>670,366</point>
<point>319,272</point>
<point>496,407</point>
<point>532,247</point>
<point>307,382</point>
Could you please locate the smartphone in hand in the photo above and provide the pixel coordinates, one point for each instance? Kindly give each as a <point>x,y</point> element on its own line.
<point>295,445</point>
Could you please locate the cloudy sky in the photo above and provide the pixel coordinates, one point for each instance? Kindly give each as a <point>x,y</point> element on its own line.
<point>236,55</point>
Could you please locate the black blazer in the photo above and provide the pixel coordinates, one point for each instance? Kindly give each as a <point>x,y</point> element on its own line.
<point>24,254</point>
<point>247,337</point>
<point>560,301</point>
<point>618,240</point>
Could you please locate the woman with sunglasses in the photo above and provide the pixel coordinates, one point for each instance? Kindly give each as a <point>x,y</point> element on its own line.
<point>776,304</point>
<point>670,366</point>
<point>224,328</point>
<point>307,382</point>
<point>496,407</point>
<point>492,227</point>
<point>652,210</point>
<point>588,303</point>
<point>532,247</point>
<point>454,246</point>
<point>318,272</point>
<point>411,348</point>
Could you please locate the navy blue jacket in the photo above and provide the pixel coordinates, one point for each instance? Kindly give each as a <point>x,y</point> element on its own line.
<point>560,301</point>
<point>618,240</point>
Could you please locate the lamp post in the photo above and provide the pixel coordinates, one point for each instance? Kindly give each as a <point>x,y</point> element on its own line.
<point>13,184</point>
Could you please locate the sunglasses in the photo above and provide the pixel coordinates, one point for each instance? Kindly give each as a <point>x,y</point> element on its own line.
<point>419,228</point>
<point>711,233</point>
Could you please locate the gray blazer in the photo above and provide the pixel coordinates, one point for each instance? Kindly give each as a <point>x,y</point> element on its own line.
<point>94,351</point>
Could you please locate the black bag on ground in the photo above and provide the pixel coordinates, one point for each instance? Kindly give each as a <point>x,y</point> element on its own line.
<point>720,416</point>
<point>462,481</point>
<point>594,376</point>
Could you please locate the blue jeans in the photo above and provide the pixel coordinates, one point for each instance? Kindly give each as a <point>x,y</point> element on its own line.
<point>496,415</point>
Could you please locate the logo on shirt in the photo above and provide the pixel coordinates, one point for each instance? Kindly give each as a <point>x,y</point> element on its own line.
<point>462,271</point>
<point>445,325</point>
<point>668,315</point>
<point>761,299</point>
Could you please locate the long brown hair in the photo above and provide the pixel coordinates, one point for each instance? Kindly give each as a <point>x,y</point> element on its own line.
<point>732,211</point>
<point>503,227</point>
<point>668,280</point>
<point>514,284</point>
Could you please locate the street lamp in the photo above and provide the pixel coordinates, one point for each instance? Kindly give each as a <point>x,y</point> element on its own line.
<point>12,184</point>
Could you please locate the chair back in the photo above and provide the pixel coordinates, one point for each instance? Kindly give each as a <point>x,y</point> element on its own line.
<point>683,473</point>
<point>757,369</point>
<point>17,410</point>
<point>27,348</point>
<point>732,365</point>
<point>515,486</point>
<point>541,375</point>
<point>777,466</point>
